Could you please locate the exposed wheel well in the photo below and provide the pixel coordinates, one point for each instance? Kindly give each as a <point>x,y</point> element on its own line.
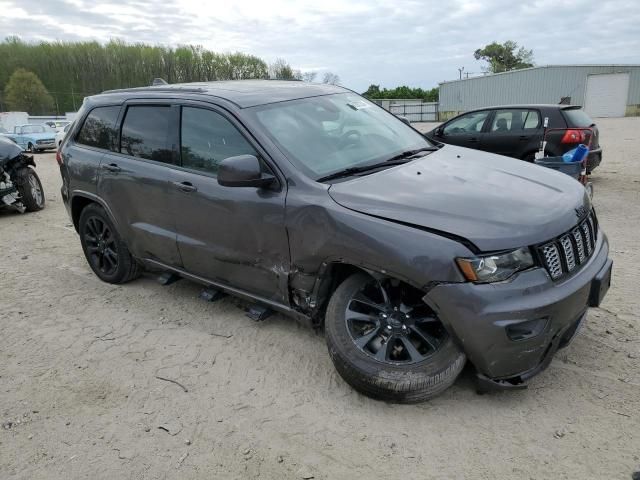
<point>331,276</point>
<point>77,205</point>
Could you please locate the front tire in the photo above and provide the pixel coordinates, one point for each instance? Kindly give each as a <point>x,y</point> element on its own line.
<point>387,344</point>
<point>106,253</point>
<point>30,189</point>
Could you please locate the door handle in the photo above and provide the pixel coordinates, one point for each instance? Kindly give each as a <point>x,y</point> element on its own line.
<point>185,186</point>
<point>524,137</point>
<point>112,167</point>
<point>473,139</point>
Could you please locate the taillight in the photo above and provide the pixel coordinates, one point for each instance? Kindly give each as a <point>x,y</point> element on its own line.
<point>575,136</point>
<point>59,157</point>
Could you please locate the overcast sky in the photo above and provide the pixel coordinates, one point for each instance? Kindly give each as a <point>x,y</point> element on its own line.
<point>415,43</point>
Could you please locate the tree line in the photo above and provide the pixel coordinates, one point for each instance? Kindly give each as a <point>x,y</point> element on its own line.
<point>374,92</point>
<point>70,71</point>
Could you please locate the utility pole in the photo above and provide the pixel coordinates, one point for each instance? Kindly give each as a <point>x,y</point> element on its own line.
<point>460,70</point>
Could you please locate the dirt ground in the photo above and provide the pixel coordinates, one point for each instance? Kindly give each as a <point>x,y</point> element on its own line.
<point>79,397</point>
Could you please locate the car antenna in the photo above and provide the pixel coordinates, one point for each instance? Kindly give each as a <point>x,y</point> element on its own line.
<point>158,81</point>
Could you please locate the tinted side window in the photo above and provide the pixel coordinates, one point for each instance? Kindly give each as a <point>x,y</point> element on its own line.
<point>207,138</point>
<point>145,133</point>
<point>513,120</point>
<point>531,120</point>
<point>99,129</point>
<point>469,123</point>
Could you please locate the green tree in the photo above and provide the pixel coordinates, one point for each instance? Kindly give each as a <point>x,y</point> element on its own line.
<point>404,92</point>
<point>25,92</point>
<point>73,70</point>
<point>281,70</point>
<point>503,57</point>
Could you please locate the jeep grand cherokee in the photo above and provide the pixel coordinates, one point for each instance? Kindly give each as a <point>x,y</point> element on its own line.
<point>314,202</point>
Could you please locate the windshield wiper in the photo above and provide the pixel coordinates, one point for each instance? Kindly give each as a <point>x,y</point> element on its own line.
<point>399,159</point>
<point>412,153</point>
<point>347,172</point>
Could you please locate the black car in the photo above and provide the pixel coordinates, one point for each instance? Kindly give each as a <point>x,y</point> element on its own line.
<point>314,202</point>
<point>517,130</point>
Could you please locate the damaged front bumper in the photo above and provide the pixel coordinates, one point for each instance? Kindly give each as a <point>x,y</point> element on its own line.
<point>511,330</point>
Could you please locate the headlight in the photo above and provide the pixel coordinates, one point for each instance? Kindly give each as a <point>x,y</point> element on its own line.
<point>495,268</point>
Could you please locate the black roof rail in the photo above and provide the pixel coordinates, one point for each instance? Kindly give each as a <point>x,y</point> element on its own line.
<point>156,89</point>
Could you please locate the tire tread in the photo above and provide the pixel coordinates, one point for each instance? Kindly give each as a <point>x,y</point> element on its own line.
<point>415,384</point>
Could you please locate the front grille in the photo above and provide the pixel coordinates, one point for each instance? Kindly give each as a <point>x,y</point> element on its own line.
<point>566,253</point>
<point>40,142</point>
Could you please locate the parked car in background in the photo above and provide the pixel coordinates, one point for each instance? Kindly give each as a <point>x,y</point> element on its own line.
<point>312,201</point>
<point>61,134</point>
<point>20,186</point>
<point>57,125</point>
<point>33,138</point>
<point>517,130</point>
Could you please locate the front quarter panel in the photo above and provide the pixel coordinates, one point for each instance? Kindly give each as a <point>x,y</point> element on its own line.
<point>321,231</point>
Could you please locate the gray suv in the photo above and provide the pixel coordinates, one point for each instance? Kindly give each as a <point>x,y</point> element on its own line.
<point>314,202</point>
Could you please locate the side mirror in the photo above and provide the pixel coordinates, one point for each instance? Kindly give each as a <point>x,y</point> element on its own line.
<point>243,171</point>
<point>404,119</point>
<point>438,132</point>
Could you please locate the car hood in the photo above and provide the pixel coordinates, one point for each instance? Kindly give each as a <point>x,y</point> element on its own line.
<point>8,150</point>
<point>40,136</point>
<point>495,202</point>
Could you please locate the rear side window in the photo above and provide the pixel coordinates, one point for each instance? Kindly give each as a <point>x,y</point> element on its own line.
<point>207,138</point>
<point>145,133</point>
<point>577,117</point>
<point>531,119</point>
<point>513,120</point>
<point>99,128</point>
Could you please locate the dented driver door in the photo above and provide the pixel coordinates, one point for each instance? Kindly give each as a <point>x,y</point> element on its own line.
<point>231,235</point>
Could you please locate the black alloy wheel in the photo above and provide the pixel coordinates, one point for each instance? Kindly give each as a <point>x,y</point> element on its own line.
<point>387,343</point>
<point>101,245</point>
<point>390,328</point>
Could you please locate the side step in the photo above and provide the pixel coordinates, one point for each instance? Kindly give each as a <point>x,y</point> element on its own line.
<point>167,278</point>
<point>258,313</point>
<point>212,294</point>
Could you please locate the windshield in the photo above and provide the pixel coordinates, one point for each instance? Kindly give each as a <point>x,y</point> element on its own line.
<point>327,134</point>
<point>33,129</point>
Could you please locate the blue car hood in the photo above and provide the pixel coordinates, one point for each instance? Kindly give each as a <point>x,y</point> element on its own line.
<point>40,136</point>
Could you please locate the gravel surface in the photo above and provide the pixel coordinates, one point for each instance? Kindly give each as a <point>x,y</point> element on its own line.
<point>80,359</point>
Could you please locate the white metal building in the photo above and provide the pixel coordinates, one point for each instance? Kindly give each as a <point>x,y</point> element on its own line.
<point>603,90</point>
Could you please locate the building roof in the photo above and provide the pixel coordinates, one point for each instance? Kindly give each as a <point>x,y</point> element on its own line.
<point>244,93</point>
<point>585,65</point>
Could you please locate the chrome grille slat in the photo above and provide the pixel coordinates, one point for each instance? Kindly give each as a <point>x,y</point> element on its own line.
<point>580,244</point>
<point>587,237</point>
<point>569,257</point>
<point>592,230</point>
<point>567,252</point>
<point>552,259</point>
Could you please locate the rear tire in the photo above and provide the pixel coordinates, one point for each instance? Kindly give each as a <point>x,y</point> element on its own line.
<point>377,375</point>
<point>30,189</point>
<point>106,253</point>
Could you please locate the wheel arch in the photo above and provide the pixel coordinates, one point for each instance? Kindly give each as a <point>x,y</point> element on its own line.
<point>80,200</point>
<point>332,273</point>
